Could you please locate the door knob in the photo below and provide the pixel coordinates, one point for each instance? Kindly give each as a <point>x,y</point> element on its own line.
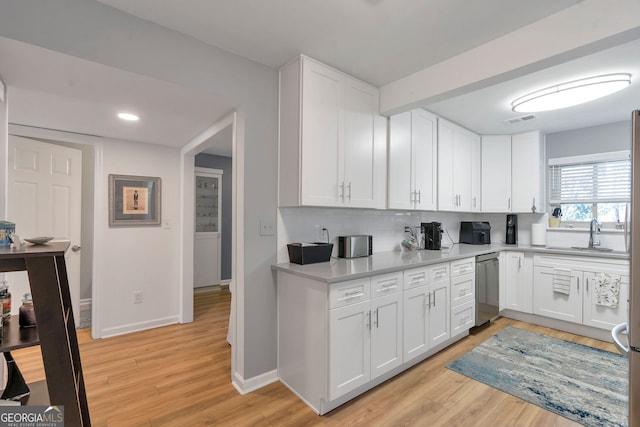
<point>75,248</point>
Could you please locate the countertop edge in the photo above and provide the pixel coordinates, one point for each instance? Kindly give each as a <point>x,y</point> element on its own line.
<point>343,269</point>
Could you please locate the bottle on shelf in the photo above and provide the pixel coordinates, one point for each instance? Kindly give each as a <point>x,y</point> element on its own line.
<point>27,316</point>
<point>5,299</point>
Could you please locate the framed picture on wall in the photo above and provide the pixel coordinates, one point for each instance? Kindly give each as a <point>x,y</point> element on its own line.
<point>134,201</point>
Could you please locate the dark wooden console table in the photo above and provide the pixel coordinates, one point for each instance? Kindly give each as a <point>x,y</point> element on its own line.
<point>56,331</point>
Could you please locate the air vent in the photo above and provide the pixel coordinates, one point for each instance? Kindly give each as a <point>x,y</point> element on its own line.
<point>520,119</point>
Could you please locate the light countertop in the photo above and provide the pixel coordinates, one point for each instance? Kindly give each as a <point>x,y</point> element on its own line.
<point>341,269</point>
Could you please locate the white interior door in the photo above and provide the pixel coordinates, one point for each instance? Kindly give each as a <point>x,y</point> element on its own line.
<point>44,197</point>
<point>208,212</point>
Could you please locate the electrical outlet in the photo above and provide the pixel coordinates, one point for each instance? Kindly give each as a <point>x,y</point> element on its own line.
<point>137,297</point>
<point>267,228</point>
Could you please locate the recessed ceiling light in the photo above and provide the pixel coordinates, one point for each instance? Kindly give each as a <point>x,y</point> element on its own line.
<point>571,93</point>
<point>129,117</point>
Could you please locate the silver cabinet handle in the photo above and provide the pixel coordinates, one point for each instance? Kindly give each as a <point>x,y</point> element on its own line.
<point>419,197</point>
<point>533,206</point>
<point>386,287</point>
<point>519,263</point>
<point>587,280</point>
<point>349,186</point>
<point>428,305</point>
<point>434,298</point>
<point>474,202</point>
<point>509,202</point>
<point>578,282</point>
<point>369,320</point>
<point>376,321</point>
<point>75,248</point>
<point>341,195</point>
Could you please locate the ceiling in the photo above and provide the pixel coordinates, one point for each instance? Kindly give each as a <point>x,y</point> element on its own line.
<point>374,40</point>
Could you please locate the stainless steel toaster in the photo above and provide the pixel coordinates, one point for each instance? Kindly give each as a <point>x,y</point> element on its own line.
<point>355,246</point>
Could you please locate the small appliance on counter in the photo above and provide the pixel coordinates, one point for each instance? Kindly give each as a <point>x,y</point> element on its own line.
<point>355,246</point>
<point>512,229</point>
<point>432,233</point>
<point>309,253</point>
<point>475,232</point>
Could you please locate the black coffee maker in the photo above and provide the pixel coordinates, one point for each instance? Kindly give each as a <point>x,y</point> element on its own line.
<point>512,229</point>
<point>432,232</point>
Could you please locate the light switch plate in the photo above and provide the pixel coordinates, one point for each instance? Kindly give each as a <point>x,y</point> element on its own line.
<point>267,227</point>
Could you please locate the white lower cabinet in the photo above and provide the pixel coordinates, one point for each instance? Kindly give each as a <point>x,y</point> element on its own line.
<point>338,340</point>
<point>565,289</point>
<point>463,286</point>
<point>519,281</point>
<point>365,338</point>
<point>426,309</point>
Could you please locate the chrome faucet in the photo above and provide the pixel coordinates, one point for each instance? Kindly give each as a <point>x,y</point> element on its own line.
<point>594,228</point>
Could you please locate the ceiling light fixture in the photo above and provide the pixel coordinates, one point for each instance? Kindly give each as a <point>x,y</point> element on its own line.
<point>571,93</point>
<point>129,117</point>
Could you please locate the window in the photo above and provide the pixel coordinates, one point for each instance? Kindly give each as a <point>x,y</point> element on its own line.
<point>592,186</point>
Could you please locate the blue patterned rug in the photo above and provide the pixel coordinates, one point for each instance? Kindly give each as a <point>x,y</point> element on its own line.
<point>584,384</point>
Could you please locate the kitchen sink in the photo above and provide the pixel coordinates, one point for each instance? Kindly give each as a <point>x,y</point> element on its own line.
<point>595,249</point>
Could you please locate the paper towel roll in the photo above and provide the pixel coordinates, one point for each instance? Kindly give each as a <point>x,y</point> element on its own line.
<point>538,234</point>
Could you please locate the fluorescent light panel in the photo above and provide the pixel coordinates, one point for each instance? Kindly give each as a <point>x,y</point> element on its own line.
<point>571,93</point>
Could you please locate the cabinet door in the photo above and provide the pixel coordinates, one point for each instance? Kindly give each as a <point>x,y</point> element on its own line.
<point>476,174</point>
<point>416,323</point>
<point>547,302</point>
<point>321,135</point>
<point>447,197</point>
<point>360,107</point>
<point>386,333</point>
<point>349,348</point>
<point>527,164</point>
<point>401,162</point>
<point>462,168</point>
<point>424,159</point>
<point>496,173</point>
<point>439,309</point>
<point>603,316</point>
<point>519,282</point>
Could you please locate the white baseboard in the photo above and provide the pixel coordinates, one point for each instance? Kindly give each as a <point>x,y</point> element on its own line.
<point>247,386</point>
<point>140,326</point>
<point>85,304</point>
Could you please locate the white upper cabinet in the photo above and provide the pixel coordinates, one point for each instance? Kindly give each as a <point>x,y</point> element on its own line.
<point>512,173</point>
<point>527,178</point>
<point>332,148</point>
<point>454,167</point>
<point>496,173</point>
<point>413,161</point>
<point>476,173</point>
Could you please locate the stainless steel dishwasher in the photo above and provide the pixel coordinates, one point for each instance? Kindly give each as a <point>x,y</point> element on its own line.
<point>487,288</point>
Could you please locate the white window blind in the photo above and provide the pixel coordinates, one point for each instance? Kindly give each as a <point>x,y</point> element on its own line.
<point>590,179</point>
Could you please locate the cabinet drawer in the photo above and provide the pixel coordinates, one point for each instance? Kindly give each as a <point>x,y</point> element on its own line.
<point>386,284</point>
<point>462,289</point>
<point>351,292</point>
<point>415,277</point>
<point>463,266</point>
<point>437,272</point>
<point>463,317</point>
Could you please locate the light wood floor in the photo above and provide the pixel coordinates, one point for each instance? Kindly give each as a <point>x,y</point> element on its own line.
<point>180,376</point>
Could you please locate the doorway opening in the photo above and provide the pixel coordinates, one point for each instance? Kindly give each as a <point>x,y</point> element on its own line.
<point>90,148</point>
<point>223,139</point>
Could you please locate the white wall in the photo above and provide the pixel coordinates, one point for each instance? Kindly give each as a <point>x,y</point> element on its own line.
<point>96,32</point>
<point>143,258</point>
<point>4,149</point>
